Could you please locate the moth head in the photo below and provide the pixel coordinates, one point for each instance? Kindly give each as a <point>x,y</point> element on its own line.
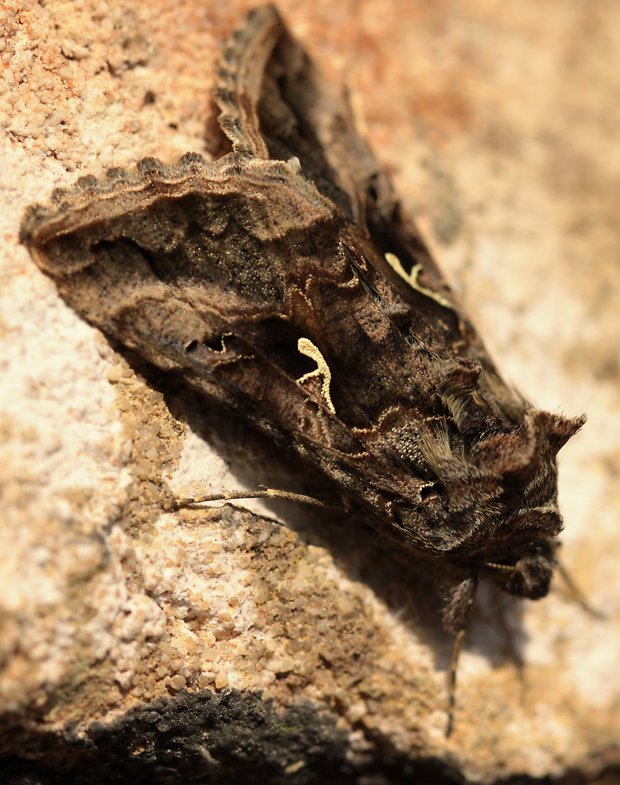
<point>529,519</point>
<point>527,574</point>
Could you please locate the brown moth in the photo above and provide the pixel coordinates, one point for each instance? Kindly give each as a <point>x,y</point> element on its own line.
<point>283,280</point>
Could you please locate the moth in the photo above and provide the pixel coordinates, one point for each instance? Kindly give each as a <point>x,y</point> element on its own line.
<point>283,280</point>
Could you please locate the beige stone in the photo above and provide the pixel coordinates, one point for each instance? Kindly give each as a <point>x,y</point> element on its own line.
<point>499,122</point>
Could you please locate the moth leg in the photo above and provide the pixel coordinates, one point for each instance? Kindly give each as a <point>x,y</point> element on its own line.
<point>259,493</point>
<point>456,614</point>
<point>457,645</point>
<point>576,592</point>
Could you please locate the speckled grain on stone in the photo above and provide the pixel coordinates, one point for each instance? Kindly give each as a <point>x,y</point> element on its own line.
<point>499,124</point>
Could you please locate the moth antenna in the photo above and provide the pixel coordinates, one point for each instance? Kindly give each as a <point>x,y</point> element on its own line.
<point>578,595</point>
<point>259,493</point>
<point>490,565</point>
<point>457,645</point>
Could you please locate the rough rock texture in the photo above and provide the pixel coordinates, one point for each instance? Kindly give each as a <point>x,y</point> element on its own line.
<point>165,647</point>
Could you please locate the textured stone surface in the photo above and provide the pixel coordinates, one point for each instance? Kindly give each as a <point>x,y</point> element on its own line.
<point>499,125</point>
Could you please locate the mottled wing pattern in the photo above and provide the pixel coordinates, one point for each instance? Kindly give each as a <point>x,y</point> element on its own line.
<point>283,280</point>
